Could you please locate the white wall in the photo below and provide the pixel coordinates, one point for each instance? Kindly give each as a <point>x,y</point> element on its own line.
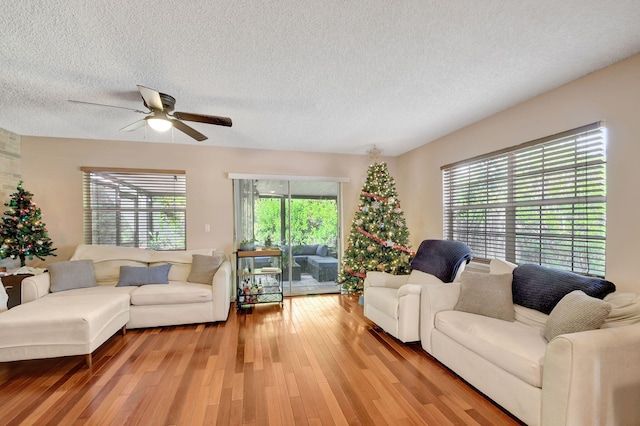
<point>611,94</point>
<point>51,170</point>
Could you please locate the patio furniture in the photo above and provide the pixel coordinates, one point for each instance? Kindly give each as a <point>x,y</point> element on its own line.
<point>323,268</point>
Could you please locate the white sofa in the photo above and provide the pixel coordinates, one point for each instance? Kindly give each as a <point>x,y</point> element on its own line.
<point>77,321</point>
<point>584,378</point>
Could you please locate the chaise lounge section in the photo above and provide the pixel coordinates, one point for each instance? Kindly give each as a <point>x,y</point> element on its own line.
<point>62,326</point>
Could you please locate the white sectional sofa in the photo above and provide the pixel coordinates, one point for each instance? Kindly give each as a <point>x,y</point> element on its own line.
<point>582,378</point>
<point>75,321</point>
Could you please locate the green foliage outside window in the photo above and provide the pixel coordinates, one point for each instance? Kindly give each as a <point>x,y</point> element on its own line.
<point>313,221</point>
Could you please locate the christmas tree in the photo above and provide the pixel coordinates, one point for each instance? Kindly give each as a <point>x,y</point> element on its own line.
<point>22,232</point>
<point>379,238</point>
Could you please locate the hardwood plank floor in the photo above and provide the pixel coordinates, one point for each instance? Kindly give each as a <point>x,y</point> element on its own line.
<point>316,360</point>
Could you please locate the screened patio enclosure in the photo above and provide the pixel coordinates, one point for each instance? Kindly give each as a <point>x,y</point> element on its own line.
<point>301,217</point>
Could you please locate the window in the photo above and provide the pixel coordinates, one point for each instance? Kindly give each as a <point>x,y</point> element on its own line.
<point>541,202</point>
<point>135,208</point>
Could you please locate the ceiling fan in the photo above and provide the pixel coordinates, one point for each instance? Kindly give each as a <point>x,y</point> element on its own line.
<point>161,117</point>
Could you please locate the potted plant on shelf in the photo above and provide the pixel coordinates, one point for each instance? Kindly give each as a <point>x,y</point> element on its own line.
<point>247,245</point>
<point>268,243</point>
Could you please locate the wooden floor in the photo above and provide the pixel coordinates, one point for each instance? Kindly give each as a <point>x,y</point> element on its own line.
<point>314,361</point>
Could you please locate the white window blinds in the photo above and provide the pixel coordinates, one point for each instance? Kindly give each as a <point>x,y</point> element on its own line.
<point>541,202</point>
<point>135,208</point>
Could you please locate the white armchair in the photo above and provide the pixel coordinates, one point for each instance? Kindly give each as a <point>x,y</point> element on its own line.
<point>393,301</point>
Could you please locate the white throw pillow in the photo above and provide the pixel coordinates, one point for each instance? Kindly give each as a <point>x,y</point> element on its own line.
<point>500,266</point>
<point>625,309</point>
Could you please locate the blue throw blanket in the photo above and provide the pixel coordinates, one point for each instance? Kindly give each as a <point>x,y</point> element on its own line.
<point>541,288</point>
<point>441,258</point>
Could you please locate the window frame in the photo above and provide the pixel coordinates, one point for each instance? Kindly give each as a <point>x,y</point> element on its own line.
<point>502,203</point>
<point>133,208</point>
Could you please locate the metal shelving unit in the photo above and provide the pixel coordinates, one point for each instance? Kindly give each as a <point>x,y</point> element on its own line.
<point>258,277</point>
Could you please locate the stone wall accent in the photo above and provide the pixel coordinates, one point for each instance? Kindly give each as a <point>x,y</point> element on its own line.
<point>10,163</point>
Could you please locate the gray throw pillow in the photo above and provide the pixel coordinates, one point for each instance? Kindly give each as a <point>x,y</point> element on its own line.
<point>203,268</point>
<point>71,274</point>
<point>576,312</point>
<point>142,275</point>
<point>486,294</point>
<point>309,249</point>
<point>322,250</point>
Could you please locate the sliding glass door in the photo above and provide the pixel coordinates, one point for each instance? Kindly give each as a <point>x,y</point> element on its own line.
<point>302,218</point>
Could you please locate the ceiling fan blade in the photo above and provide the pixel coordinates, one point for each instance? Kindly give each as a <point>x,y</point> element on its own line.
<point>188,130</point>
<point>201,118</point>
<point>105,105</point>
<point>134,126</point>
<point>151,98</point>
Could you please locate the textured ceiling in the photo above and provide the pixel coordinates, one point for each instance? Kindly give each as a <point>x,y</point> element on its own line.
<point>326,76</point>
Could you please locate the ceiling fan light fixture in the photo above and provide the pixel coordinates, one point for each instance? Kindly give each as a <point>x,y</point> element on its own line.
<point>160,105</point>
<point>159,124</point>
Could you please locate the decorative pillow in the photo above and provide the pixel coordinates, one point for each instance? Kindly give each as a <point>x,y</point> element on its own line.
<point>541,288</point>
<point>576,312</point>
<point>309,249</point>
<point>203,268</point>
<point>486,294</point>
<point>158,274</point>
<point>72,274</point>
<point>142,275</point>
<point>322,250</point>
<point>625,309</point>
<point>501,266</point>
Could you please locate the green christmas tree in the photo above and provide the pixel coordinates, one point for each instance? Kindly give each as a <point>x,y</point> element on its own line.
<point>379,238</point>
<point>22,232</point>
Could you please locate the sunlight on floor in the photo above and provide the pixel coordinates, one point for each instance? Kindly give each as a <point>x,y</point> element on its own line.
<point>308,285</point>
